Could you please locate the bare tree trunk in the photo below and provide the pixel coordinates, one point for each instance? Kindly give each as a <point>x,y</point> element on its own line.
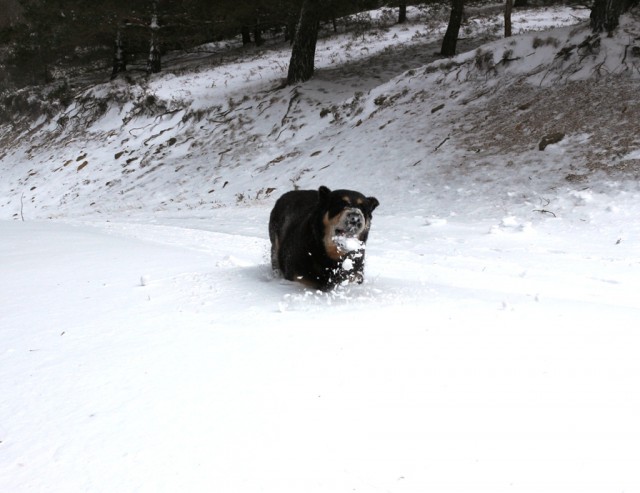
<point>292,21</point>
<point>451,36</point>
<point>257,33</point>
<point>402,12</point>
<point>507,18</point>
<point>605,15</point>
<point>303,52</point>
<point>154,62</point>
<point>246,35</point>
<point>119,56</point>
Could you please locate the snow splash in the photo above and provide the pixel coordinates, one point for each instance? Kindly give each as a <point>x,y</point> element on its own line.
<point>347,244</point>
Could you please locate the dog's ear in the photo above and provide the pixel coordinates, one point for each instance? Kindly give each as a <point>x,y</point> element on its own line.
<point>323,194</point>
<point>373,203</point>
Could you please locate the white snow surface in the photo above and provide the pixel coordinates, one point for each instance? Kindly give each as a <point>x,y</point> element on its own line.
<point>148,347</point>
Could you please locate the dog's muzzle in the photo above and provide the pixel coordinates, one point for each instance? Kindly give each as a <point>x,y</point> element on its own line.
<point>351,223</point>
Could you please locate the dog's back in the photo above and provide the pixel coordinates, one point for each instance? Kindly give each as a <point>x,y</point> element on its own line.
<point>291,209</point>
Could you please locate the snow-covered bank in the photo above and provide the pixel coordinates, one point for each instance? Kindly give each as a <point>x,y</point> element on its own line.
<point>222,134</point>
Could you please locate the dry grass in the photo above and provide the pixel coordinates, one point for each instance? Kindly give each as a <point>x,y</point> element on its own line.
<point>606,110</point>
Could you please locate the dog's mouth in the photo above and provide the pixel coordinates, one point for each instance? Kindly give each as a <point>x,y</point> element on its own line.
<point>347,243</point>
<point>351,224</point>
<point>345,233</point>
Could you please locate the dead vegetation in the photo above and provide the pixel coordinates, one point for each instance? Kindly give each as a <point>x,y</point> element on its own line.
<point>603,112</point>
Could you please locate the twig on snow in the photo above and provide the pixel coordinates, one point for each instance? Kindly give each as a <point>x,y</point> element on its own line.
<point>544,211</point>
<point>441,143</point>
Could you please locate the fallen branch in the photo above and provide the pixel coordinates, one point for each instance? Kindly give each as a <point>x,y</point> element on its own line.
<point>169,112</point>
<point>544,211</point>
<point>146,141</point>
<point>475,97</point>
<point>138,128</point>
<point>441,143</point>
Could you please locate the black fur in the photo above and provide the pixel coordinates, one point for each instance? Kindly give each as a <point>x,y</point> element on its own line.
<point>309,230</point>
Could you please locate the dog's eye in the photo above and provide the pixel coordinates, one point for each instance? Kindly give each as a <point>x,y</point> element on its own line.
<point>341,204</point>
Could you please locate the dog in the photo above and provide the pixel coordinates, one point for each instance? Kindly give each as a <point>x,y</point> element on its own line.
<point>319,237</point>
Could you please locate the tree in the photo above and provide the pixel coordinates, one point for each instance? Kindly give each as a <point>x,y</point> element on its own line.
<point>154,64</point>
<point>10,12</point>
<point>507,18</point>
<point>245,31</point>
<point>402,11</point>
<point>119,56</point>
<point>451,36</point>
<point>605,15</point>
<point>51,38</point>
<point>303,52</point>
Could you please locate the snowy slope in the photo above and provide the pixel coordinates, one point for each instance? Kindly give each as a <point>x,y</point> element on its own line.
<point>493,346</point>
<point>219,134</point>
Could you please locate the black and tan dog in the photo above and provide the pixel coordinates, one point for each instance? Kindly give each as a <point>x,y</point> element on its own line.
<point>318,237</point>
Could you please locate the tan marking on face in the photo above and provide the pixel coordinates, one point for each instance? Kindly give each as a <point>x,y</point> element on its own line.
<point>360,201</point>
<point>346,199</point>
<point>329,227</point>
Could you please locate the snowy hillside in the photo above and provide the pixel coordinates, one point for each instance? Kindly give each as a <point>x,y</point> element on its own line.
<point>221,133</point>
<point>148,347</point>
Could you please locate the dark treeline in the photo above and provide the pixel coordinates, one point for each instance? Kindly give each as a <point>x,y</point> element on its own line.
<point>605,14</point>
<point>44,36</point>
<point>44,40</point>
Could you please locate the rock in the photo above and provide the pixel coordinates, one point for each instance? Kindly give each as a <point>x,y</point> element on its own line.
<point>553,138</point>
<point>574,178</point>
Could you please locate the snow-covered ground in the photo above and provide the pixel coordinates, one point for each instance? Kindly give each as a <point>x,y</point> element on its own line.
<point>146,345</point>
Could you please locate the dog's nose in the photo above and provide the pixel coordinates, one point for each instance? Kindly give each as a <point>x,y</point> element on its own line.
<point>355,220</point>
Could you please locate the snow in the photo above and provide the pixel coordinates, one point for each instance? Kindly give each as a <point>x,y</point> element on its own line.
<point>348,243</point>
<point>493,346</point>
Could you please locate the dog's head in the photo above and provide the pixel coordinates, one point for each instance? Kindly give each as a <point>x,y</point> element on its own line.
<point>346,219</point>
